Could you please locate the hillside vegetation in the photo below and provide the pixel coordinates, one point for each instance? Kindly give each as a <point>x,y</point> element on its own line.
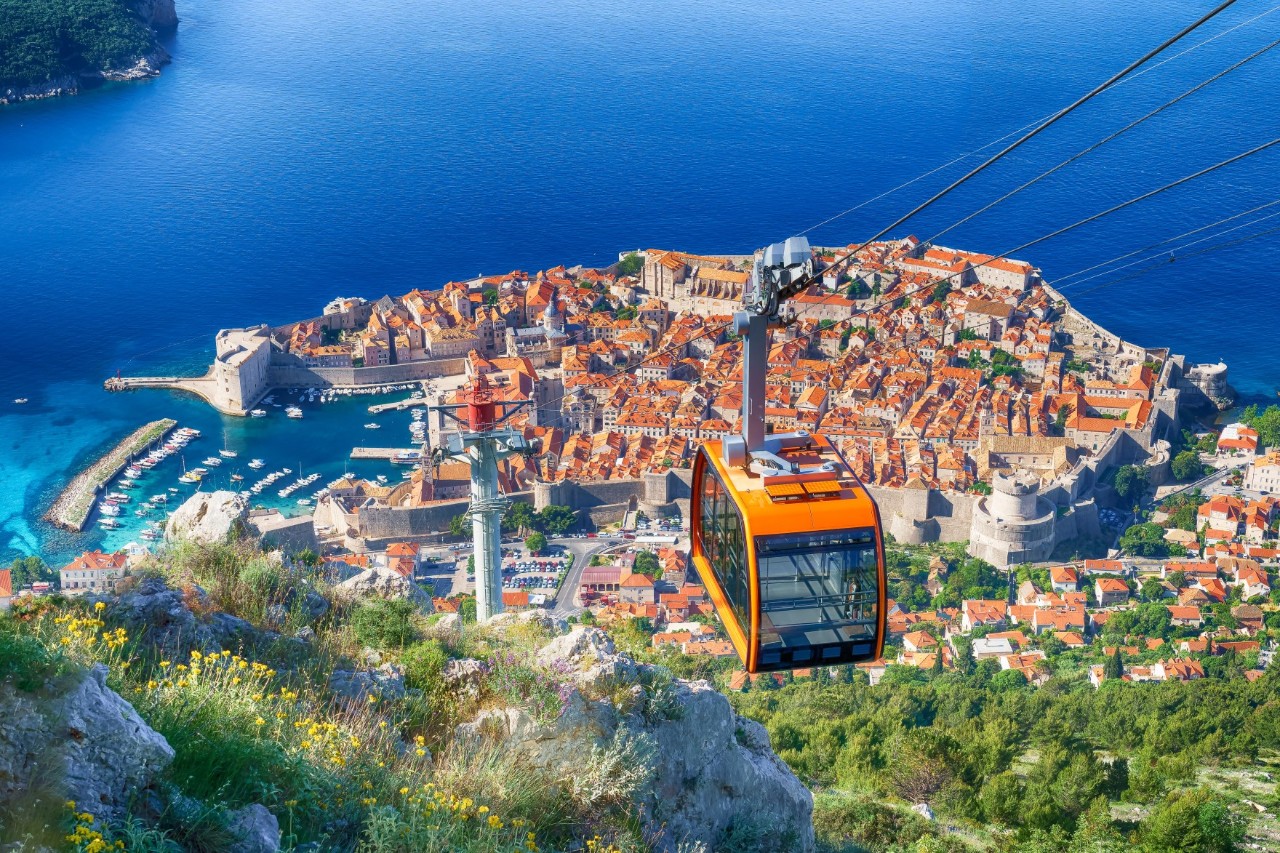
<point>341,724</point>
<point>42,40</point>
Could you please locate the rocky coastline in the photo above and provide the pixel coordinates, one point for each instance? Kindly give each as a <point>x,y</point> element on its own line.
<point>159,15</point>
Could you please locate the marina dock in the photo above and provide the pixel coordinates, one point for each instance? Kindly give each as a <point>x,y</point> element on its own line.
<point>71,510</point>
<point>398,406</point>
<point>381,452</point>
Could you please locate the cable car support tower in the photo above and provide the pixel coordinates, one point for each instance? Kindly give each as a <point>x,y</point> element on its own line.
<point>482,443</point>
<point>783,271</point>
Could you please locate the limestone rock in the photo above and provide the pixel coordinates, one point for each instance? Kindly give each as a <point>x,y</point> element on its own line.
<point>385,682</point>
<point>543,618</point>
<point>257,829</point>
<point>314,605</point>
<point>705,769</point>
<point>589,655</point>
<point>207,517</point>
<point>579,645</point>
<point>384,583</point>
<point>446,626</point>
<point>159,614</point>
<point>85,742</point>
<point>465,676</point>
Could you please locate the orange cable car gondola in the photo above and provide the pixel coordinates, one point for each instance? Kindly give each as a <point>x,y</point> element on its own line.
<point>786,539</point>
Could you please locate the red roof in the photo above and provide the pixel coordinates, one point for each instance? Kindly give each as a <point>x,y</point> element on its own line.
<point>6,584</point>
<point>96,560</point>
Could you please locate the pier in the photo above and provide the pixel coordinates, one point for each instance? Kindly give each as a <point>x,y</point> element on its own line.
<point>398,406</point>
<point>381,452</point>
<point>204,387</point>
<point>71,510</point>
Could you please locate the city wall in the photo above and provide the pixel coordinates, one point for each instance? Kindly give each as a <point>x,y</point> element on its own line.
<point>289,371</point>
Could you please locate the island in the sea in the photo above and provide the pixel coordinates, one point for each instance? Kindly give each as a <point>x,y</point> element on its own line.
<point>968,394</point>
<point>57,47</point>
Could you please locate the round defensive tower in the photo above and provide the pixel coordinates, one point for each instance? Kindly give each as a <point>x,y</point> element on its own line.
<point>1014,524</point>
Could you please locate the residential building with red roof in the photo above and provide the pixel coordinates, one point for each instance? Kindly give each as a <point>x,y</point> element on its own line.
<point>92,572</point>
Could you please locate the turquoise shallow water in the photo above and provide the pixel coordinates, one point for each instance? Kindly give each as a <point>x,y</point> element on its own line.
<point>299,151</point>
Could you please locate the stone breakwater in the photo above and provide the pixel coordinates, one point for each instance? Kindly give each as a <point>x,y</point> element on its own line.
<point>71,509</point>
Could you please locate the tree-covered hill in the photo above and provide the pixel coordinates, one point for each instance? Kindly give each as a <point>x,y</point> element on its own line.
<point>44,40</point>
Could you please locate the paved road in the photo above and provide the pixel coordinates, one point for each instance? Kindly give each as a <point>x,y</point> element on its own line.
<point>583,550</point>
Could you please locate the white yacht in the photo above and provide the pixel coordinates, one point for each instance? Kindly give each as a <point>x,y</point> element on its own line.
<point>293,412</point>
<point>257,413</point>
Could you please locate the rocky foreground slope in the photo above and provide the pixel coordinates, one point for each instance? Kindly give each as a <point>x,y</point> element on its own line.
<point>620,737</point>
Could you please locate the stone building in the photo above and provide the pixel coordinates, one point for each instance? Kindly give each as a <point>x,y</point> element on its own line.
<point>1013,524</point>
<point>241,361</point>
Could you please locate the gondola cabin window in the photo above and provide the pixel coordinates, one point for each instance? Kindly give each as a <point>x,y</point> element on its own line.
<point>724,543</point>
<point>818,597</point>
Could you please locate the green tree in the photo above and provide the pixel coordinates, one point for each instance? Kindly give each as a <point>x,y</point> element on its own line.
<point>625,313</point>
<point>520,517</point>
<point>536,542</point>
<point>1184,517</point>
<point>1186,465</point>
<point>1152,590</point>
<point>941,289</point>
<point>1001,799</point>
<point>1130,484</point>
<point>556,520</point>
<point>1145,540</point>
<point>308,558</point>
<point>460,525</point>
<point>28,570</point>
<point>491,297</point>
<point>467,609</point>
<point>1266,422</point>
<point>1195,821</point>
<point>647,564</point>
<point>631,264</point>
<point>1114,667</point>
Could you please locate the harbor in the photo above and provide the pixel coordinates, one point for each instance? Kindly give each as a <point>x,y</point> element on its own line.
<point>392,453</point>
<point>70,511</point>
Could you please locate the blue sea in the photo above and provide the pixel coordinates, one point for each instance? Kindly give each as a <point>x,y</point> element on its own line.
<point>294,152</point>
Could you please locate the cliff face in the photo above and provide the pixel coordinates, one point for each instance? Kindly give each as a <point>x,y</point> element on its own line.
<point>160,15</point>
<point>697,775</point>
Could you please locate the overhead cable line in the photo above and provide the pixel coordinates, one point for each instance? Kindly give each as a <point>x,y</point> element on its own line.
<point>1130,126</point>
<point>980,149</point>
<point>1059,285</point>
<point>715,330</point>
<point>1079,223</point>
<point>1091,268</point>
<point>1156,264</point>
<point>1026,137</point>
<point>1042,126</point>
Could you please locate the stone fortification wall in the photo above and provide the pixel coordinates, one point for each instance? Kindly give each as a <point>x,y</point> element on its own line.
<point>653,493</point>
<point>291,535</point>
<point>915,516</point>
<point>382,522</point>
<point>289,371</point>
<point>399,523</point>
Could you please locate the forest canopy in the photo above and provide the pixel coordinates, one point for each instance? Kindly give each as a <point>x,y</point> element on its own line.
<point>41,40</point>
